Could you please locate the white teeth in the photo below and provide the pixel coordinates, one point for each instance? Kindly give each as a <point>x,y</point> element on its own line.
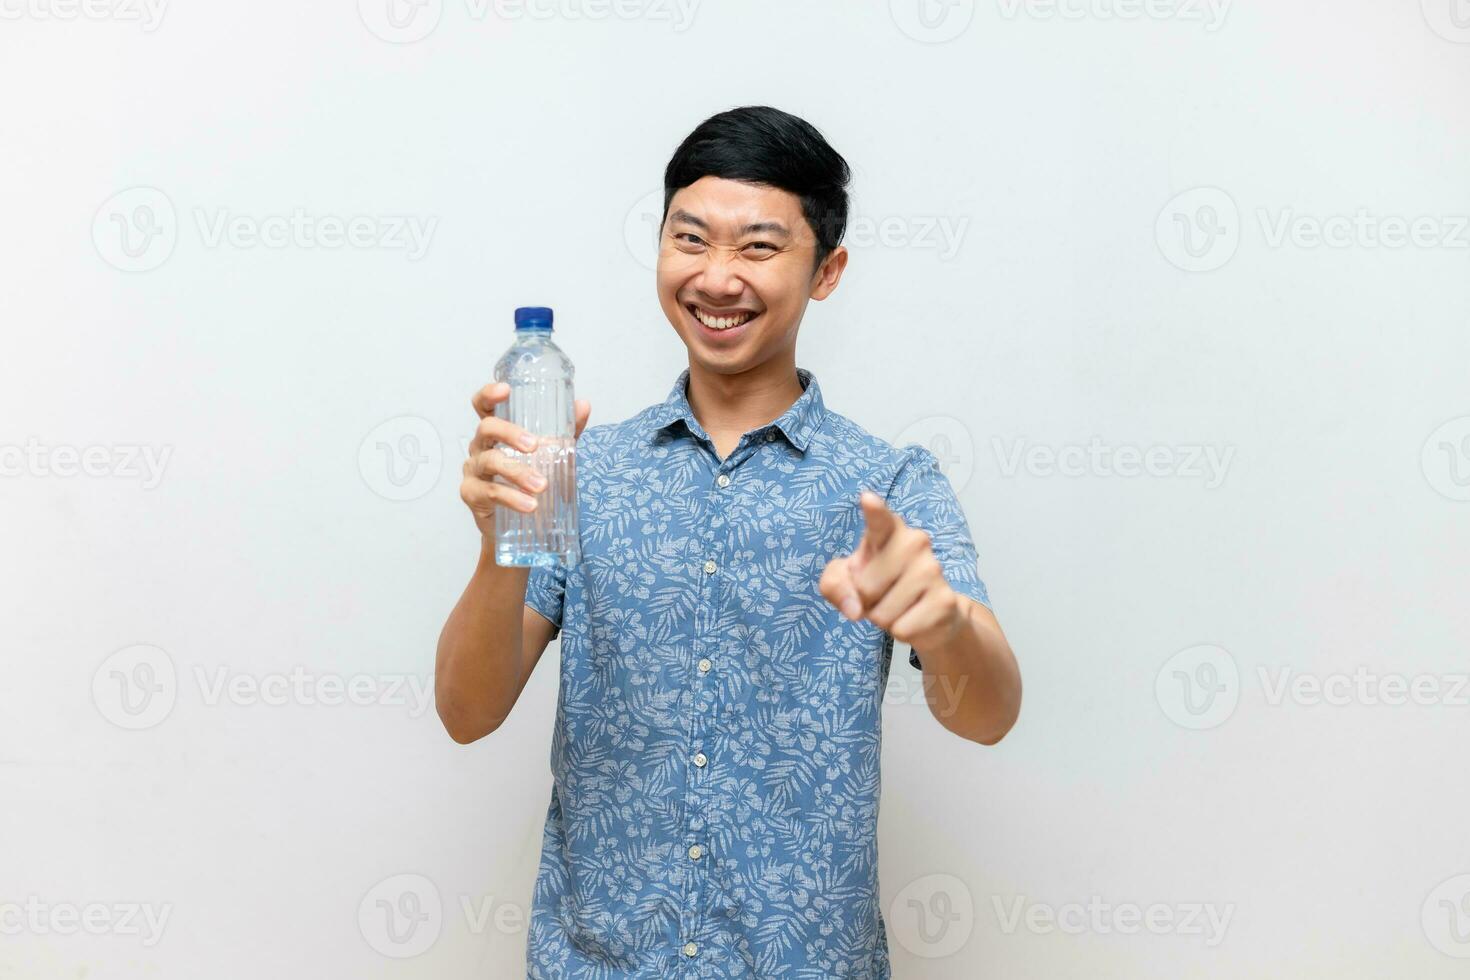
<point>721,322</point>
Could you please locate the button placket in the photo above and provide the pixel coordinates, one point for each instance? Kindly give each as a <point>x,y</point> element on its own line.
<point>698,808</point>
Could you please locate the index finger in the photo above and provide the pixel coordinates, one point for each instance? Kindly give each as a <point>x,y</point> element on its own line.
<point>881,522</point>
<point>488,397</point>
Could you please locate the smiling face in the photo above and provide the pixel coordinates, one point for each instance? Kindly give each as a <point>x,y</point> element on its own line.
<point>735,272</point>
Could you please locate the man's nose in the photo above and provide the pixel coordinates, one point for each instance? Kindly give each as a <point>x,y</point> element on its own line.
<point>719,276</point>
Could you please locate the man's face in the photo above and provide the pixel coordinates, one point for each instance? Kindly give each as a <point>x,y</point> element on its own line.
<point>735,271</point>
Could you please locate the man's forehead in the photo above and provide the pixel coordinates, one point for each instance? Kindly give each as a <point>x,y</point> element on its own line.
<point>731,205</point>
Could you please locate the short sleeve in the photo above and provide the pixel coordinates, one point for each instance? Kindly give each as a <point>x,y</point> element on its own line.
<point>546,588</point>
<point>923,497</point>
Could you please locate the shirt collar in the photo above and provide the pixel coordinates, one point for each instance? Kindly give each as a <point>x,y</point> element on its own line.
<point>797,423</point>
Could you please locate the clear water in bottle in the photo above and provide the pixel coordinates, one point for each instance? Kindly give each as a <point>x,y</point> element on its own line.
<point>540,379</point>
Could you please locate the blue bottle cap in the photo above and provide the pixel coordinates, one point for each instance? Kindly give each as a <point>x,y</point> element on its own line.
<point>533,318</point>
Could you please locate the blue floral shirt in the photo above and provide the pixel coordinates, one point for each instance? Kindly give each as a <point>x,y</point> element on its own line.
<point>714,807</point>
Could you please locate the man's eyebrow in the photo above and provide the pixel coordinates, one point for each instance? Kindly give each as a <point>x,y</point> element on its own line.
<point>771,227</point>
<point>681,215</point>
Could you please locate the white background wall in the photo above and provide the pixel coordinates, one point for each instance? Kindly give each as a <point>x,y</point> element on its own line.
<point>1021,289</point>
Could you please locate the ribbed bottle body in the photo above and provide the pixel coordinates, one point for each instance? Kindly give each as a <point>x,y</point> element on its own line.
<point>541,392</point>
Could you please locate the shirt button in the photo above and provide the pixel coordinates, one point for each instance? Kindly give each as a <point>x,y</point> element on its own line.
<point>705,665</point>
<point>690,949</point>
<point>723,480</point>
<point>700,759</point>
<point>770,435</point>
<point>696,852</point>
<point>709,567</point>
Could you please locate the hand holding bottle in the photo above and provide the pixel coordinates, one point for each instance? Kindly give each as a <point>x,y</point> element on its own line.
<point>518,484</point>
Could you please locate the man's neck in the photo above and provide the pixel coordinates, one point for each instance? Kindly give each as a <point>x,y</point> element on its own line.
<point>730,405</point>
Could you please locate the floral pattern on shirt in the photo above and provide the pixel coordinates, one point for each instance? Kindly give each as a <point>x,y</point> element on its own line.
<point>715,756</point>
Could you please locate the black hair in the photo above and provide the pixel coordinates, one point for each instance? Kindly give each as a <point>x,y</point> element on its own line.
<point>762,145</point>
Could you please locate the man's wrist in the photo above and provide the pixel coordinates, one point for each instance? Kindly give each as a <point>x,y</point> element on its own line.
<point>942,640</point>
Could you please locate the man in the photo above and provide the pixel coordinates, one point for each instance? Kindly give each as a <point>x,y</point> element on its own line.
<point>749,558</point>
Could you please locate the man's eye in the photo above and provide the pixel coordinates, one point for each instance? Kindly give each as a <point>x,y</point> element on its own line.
<point>767,246</point>
<point>688,238</point>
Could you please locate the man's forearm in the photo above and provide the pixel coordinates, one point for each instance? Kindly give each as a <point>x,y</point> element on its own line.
<point>971,681</point>
<point>478,672</point>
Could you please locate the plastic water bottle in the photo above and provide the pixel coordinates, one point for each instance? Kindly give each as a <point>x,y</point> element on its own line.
<point>540,378</point>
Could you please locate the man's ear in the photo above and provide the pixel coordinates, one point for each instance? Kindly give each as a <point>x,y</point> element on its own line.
<point>830,273</point>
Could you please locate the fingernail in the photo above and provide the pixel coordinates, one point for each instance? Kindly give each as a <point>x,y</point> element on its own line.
<point>851,608</point>
<point>528,442</point>
<point>538,481</point>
